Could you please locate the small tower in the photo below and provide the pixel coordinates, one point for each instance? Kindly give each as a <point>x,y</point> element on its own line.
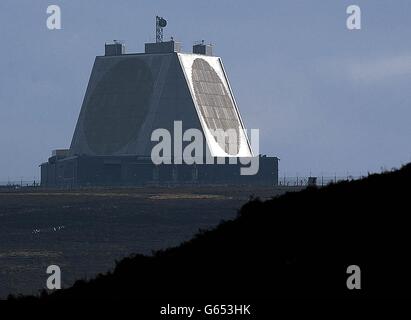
<point>160,24</point>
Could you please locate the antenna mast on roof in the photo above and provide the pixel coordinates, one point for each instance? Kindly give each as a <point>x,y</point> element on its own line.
<point>160,24</point>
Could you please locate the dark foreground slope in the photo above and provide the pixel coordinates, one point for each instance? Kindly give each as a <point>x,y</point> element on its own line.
<point>296,245</point>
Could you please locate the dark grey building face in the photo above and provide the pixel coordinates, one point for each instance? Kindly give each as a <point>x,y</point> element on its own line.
<point>129,96</point>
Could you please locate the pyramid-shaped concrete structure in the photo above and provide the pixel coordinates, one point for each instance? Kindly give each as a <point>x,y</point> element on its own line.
<point>129,96</point>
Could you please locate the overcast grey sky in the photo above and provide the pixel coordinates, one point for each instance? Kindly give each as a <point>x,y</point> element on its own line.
<point>326,100</point>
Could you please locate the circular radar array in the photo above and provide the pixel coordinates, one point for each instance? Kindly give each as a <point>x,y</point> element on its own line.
<point>118,106</point>
<point>216,105</point>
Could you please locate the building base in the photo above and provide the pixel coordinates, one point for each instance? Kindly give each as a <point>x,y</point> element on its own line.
<point>84,171</point>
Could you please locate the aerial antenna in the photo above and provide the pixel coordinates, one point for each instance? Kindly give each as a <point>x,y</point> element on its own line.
<point>160,24</point>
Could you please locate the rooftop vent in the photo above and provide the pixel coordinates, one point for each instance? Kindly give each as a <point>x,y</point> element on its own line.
<point>116,48</point>
<point>201,48</point>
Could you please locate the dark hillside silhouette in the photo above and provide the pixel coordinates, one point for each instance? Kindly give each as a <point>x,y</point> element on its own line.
<point>296,245</point>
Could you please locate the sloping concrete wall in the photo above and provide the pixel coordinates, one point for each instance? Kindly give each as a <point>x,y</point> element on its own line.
<point>127,98</point>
